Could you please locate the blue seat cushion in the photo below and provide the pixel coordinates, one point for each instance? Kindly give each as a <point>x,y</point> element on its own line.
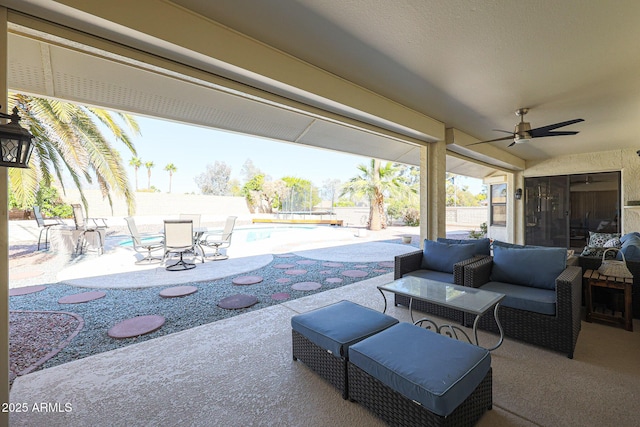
<point>437,371</point>
<point>441,256</point>
<point>528,266</point>
<point>337,326</point>
<point>483,246</point>
<point>432,275</point>
<point>527,298</point>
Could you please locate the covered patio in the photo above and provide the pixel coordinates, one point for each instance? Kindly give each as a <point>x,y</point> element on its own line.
<point>415,82</point>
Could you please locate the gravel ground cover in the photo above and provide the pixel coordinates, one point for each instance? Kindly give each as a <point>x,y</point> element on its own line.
<point>180,313</point>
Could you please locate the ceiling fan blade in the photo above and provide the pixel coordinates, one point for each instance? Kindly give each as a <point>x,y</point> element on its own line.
<point>505,131</point>
<point>493,140</point>
<point>512,144</point>
<point>545,130</point>
<point>557,133</point>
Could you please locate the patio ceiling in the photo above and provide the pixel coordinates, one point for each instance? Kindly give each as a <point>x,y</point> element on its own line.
<point>468,65</point>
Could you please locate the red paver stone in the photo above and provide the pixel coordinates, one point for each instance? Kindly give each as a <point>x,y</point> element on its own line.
<point>178,291</point>
<point>306,262</point>
<point>284,266</point>
<point>387,264</point>
<point>334,280</point>
<point>280,296</point>
<point>361,266</point>
<point>295,272</point>
<point>136,326</point>
<point>354,273</point>
<point>283,280</point>
<point>306,286</point>
<point>238,301</point>
<point>247,280</point>
<point>26,290</point>
<point>333,264</point>
<point>82,297</point>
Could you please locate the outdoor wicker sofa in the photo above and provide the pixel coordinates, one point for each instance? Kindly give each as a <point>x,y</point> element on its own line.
<point>557,326</point>
<point>418,264</point>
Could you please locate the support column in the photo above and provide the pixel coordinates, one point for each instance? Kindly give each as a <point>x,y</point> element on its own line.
<point>4,236</point>
<point>433,165</point>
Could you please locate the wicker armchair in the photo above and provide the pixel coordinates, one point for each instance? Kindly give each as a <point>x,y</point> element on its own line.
<point>592,263</point>
<point>558,332</point>
<point>412,262</point>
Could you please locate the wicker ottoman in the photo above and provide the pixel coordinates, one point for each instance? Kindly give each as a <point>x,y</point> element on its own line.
<point>321,337</point>
<point>410,376</point>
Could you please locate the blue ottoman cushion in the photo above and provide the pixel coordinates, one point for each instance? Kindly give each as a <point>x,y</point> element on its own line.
<point>437,371</point>
<point>337,326</point>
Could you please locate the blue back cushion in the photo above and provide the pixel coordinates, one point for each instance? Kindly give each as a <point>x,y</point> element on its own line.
<point>441,256</point>
<point>630,247</point>
<point>482,245</point>
<point>538,267</point>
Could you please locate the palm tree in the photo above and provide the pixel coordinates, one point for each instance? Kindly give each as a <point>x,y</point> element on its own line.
<point>171,168</point>
<point>136,162</point>
<point>68,140</point>
<point>375,181</point>
<point>149,165</point>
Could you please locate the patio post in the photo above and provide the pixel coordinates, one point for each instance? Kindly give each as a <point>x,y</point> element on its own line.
<point>4,237</point>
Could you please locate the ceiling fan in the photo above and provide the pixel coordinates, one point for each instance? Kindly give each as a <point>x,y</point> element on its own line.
<point>524,133</point>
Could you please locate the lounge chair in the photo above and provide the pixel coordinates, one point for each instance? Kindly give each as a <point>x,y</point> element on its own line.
<point>88,225</point>
<point>41,221</point>
<point>144,244</point>
<point>220,240</point>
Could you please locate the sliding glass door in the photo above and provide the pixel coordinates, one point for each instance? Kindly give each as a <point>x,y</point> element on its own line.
<point>547,211</point>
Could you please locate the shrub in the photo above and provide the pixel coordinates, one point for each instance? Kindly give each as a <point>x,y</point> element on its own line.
<point>411,217</point>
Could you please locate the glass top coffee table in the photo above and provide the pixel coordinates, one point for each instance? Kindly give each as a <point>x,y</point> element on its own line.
<point>470,300</point>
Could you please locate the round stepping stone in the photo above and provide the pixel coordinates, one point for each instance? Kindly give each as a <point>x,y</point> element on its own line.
<point>377,270</point>
<point>238,301</point>
<point>387,264</point>
<point>26,290</point>
<point>334,280</point>
<point>280,296</point>
<point>178,291</point>
<point>284,266</point>
<point>247,280</point>
<point>361,266</point>
<point>136,326</point>
<point>354,273</point>
<point>306,286</point>
<point>82,297</point>
<point>283,280</point>
<point>295,272</point>
<point>332,264</point>
<point>306,262</point>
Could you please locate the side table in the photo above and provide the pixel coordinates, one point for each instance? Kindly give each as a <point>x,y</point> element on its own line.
<point>594,278</point>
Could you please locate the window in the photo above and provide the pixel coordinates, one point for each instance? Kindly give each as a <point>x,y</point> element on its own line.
<point>499,205</point>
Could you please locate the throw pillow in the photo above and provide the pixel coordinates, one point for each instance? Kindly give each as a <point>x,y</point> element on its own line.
<point>598,252</point>
<point>482,245</point>
<point>613,243</point>
<point>442,256</point>
<point>597,240</point>
<point>528,266</point>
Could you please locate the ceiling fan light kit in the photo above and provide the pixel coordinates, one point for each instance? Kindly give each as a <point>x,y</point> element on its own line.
<point>523,132</point>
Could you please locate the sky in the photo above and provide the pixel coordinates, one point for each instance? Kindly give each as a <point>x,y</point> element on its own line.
<point>192,148</point>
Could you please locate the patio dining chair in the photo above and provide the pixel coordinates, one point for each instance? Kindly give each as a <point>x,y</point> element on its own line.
<point>144,243</point>
<point>96,226</point>
<point>178,239</point>
<point>220,240</point>
<point>44,226</point>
